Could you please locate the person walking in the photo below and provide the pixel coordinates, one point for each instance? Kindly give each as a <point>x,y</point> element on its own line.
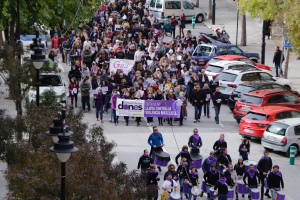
<point>174,23</point>
<point>184,153</point>
<point>244,149</point>
<point>183,171</point>
<point>145,162</point>
<point>264,167</point>
<point>159,96</point>
<point>224,160</point>
<point>156,142</point>
<point>67,46</point>
<point>113,102</point>
<point>99,102</point>
<point>211,177</point>
<point>277,61</point>
<point>253,179</point>
<point>193,180</point>
<point>208,95</point>
<point>275,180</point>
<point>181,23</point>
<point>197,100</point>
<point>222,187</point>
<point>183,110</point>
<point>217,100</point>
<point>73,89</point>
<point>219,144</point>
<point>152,182</point>
<point>150,97</point>
<point>85,94</point>
<point>195,142</point>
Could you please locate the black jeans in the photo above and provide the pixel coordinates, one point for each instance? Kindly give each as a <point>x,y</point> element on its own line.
<point>160,120</point>
<point>173,31</point>
<point>262,181</point>
<point>85,100</point>
<point>181,118</point>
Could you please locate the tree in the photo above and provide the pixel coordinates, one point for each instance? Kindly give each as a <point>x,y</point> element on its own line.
<point>244,31</point>
<point>287,10</point>
<point>33,172</point>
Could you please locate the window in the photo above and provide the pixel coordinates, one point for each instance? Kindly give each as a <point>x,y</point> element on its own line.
<point>295,114</point>
<point>204,50</point>
<point>244,89</point>
<point>250,77</point>
<point>50,80</point>
<point>213,60</point>
<point>256,116</point>
<point>227,77</point>
<point>152,3</point>
<point>275,99</point>
<point>215,69</point>
<point>297,130</point>
<point>251,99</point>
<point>246,60</point>
<point>277,128</point>
<point>265,76</point>
<point>283,115</point>
<point>173,5</point>
<point>289,98</point>
<point>268,86</point>
<point>235,51</point>
<point>279,87</point>
<point>241,67</point>
<point>187,5</point>
<point>223,51</point>
<point>158,4</point>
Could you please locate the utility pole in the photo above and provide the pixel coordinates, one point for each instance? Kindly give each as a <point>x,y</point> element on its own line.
<point>244,31</point>
<point>213,13</point>
<point>237,24</point>
<point>263,43</point>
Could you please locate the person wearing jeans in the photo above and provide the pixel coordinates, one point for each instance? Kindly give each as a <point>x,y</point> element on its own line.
<point>274,181</point>
<point>208,96</point>
<point>99,100</point>
<point>277,60</point>
<point>85,94</point>
<point>113,102</point>
<point>197,100</point>
<point>73,89</point>
<point>217,100</point>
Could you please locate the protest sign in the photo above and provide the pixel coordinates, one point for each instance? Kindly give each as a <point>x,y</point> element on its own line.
<point>123,64</point>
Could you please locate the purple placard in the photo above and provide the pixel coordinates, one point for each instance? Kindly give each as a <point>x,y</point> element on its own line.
<point>162,108</point>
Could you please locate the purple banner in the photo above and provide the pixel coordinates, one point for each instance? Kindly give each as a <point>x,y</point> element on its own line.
<point>162,108</point>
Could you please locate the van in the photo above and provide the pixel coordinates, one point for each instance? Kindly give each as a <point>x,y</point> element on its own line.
<point>162,8</point>
<point>281,135</point>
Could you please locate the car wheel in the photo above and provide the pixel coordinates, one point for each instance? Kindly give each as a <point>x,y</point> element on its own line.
<point>268,149</point>
<point>238,121</point>
<point>297,150</point>
<point>199,18</point>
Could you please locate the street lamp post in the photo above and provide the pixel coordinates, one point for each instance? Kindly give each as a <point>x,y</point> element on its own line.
<point>63,147</point>
<point>213,21</point>
<point>237,23</point>
<point>263,43</point>
<point>38,59</point>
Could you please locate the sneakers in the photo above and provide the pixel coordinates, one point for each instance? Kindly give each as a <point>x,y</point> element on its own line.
<point>267,195</point>
<point>195,121</point>
<point>148,124</point>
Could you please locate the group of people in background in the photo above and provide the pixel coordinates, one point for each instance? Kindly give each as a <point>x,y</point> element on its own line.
<point>219,171</point>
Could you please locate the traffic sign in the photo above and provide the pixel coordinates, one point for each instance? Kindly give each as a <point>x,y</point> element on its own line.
<point>287,43</point>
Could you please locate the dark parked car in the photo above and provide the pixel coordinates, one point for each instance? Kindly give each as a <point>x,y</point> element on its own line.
<point>251,86</point>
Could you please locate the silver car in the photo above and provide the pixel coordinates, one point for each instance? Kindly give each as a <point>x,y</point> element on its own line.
<point>281,135</point>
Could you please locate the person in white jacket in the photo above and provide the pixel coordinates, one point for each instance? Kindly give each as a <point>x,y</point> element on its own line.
<point>138,54</point>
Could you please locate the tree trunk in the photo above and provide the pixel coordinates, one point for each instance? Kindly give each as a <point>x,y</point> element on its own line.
<point>286,66</point>
<point>210,9</point>
<point>244,31</point>
<point>197,3</point>
<point>1,37</point>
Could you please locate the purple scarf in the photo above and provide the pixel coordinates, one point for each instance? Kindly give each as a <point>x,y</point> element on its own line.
<point>225,155</point>
<point>266,158</point>
<point>182,165</point>
<point>181,98</point>
<point>193,174</point>
<point>222,180</point>
<point>221,141</point>
<point>154,172</point>
<point>213,172</point>
<point>211,159</point>
<point>277,173</point>
<point>196,138</point>
<point>183,152</point>
<point>251,173</point>
<point>146,156</point>
<point>167,179</point>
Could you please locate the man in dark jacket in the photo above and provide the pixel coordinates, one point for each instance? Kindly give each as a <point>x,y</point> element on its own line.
<point>277,59</point>
<point>203,78</point>
<point>217,99</point>
<point>264,167</point>
<point>197,100</point>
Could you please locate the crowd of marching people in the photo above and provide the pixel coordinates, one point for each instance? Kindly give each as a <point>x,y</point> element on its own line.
<point>221,179</point>
<point>163,66</point>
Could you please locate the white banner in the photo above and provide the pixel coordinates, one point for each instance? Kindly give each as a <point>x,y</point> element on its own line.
<point>123,64</point>
<point>134,108</point>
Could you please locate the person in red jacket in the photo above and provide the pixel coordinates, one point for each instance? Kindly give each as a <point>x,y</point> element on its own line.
<point>73,88</point>
<point>55,42</point>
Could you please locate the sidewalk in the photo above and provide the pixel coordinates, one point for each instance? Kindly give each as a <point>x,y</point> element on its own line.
<point>226,13</point>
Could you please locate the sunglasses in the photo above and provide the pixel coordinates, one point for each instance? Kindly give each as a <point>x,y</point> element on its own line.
<point>172,168</point>
<point>155,130</point>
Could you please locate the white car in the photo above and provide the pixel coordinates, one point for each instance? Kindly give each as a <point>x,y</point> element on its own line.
<point>162,8</point>
<point>49,81</point>
<point>281,135</point>
<point>214,69</point>
<point>230,79</point>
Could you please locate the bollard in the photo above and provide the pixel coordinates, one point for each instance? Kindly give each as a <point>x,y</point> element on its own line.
<point>166,19</point>
<point>292,155</point>
<point>193,21</point>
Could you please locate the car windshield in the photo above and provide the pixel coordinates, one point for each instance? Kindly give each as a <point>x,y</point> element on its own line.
<point>251,99</point>
<point>227,77</point>
<point>277,128</point>
<point>213,60</point>
<point>244,89</point>
<point>213,68</point>
<point>50,80</point>
<point>256,116</point>
<point>246,60</point>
